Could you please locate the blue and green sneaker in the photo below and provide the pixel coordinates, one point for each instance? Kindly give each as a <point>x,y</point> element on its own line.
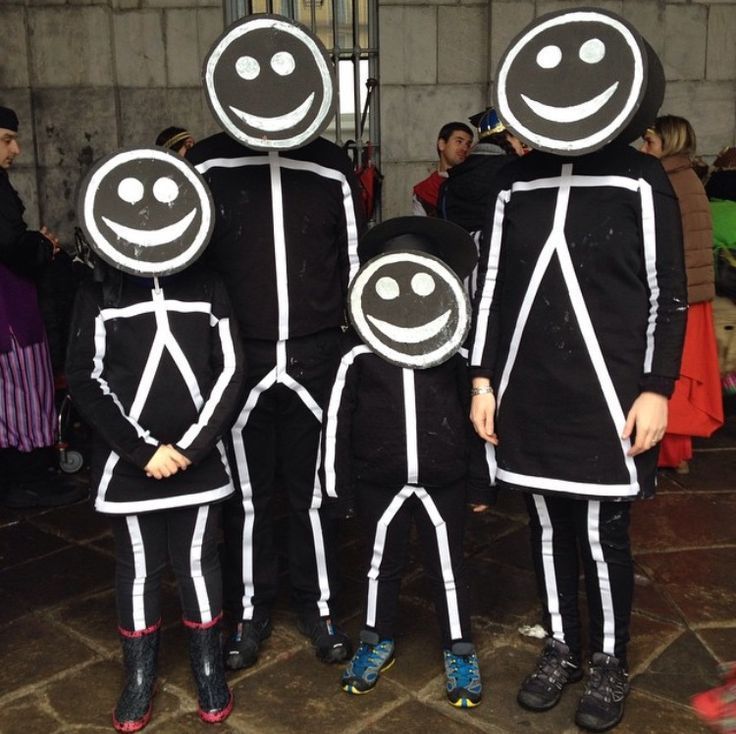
<point>464,687</point>
<point>372,657</point>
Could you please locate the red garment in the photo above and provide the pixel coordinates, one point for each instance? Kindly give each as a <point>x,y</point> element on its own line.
<point>696,406</point>
<point>428,192</point>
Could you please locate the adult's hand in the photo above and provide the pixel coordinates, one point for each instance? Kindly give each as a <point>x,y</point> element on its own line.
<point>648,415</point>
<point>482,416</point>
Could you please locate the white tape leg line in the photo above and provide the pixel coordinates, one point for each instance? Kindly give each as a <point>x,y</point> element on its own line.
<point>604,580</point>
<point>448,577</point>
<point>139,564</point>
<point>379,545</point>
<point>548,565</point>
<point>195,565</point>
<point>246,489</point>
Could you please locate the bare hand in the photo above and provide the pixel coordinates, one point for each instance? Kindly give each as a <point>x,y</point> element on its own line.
<point>482,415</point>
<point>648,415</point>
<point>479,508</point>
<point>166,462</point>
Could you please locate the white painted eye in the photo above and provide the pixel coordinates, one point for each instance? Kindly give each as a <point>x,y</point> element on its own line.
<point>422,284</point>
<point>247,67</point>
<point>592,51</point>
<point>130,190</point>
<point>549,57</point>
<point>283,63</point>
<point>165,190</point>
<point>387,288</point>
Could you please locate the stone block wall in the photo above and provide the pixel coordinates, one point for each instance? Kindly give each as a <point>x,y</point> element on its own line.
<point>438,61</point>
<point>89,76</point>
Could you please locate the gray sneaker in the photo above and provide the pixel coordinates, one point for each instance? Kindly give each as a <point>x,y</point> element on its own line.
<point>601,707</point>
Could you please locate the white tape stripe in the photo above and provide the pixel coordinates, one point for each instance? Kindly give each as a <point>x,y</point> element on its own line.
<point>588,489</point>
<point>195,565</point>
<point>139,566</point>
<point>604,580</point>
<point>279,245</point>
<point>548,565</point>
<point>648,225</point>
<point>410,418</point>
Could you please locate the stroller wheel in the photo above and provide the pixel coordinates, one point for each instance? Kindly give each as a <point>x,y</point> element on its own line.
<point>71,462</point>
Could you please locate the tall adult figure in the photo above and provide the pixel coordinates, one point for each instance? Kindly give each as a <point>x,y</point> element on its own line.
<point>285,241</point>
<point>578,328</point>
<point>27,412</point>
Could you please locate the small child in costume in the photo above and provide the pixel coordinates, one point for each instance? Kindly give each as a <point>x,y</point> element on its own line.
<point>155,367</point>
<point>398,438</point>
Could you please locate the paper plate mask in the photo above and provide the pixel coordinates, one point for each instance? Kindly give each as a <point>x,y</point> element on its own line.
<point>575,80</point>
<point>145,211</point>
<point>270,83</point>
<point>408,305</point>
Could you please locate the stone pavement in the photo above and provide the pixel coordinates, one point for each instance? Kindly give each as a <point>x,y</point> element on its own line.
<point>59,661</point>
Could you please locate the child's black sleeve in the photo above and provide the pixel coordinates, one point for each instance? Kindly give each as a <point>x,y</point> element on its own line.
<point>93,397</point>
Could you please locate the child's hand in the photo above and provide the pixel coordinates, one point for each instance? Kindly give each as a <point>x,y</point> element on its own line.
<point>478,508</point>
<point>166,462</point>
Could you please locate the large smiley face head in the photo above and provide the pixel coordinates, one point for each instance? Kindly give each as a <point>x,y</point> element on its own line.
<point>146,211</point>
<point>270,83</point>
<point>574,80</point>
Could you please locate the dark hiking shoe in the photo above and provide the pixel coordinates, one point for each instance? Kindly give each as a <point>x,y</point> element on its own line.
<point>331,644</point>
<point>556,667</point>
<point>601,707</point>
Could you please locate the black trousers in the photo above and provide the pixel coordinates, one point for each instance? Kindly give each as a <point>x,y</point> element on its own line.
<point>276,447</point>
<point>564,529</point>
<point>187,537</point>
<point>439,515</point>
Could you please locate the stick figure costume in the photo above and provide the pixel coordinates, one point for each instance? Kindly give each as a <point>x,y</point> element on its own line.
<point>397,436</point>
<point>285,241</point>
<point>156,368</point>
<point>578,324</point>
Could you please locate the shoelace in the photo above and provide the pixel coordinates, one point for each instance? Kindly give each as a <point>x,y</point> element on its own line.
<point>606,684</point>
<point>464,669</point>
<point>368,656</point>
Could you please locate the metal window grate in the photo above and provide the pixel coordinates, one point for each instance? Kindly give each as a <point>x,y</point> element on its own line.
<point>349,30</point>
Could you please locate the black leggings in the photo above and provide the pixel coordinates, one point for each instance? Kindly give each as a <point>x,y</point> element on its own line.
<point>562,528</point>
<point>143,544</point>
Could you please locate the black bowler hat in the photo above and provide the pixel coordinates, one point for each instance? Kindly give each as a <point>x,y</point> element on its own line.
<point>445,240</point>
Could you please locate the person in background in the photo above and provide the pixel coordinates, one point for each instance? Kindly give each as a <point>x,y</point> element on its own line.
<point>722,181</point>
<point>454,141</point>
<point>696,407</point>
<point>27,411</point>
<point>177,139</point>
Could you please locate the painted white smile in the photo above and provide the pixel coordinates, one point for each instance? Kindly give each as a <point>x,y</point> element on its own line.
<point>276,124</point>
<point>573,113</point>
<point>151,237</point>
<point>411,335</point>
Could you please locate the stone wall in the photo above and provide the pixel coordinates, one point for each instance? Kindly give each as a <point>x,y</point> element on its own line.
<point>438,59</point>
<point>88,76</point>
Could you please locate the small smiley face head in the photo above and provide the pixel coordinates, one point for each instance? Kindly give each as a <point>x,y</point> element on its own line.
<point>146,211</point>
<point>270,83</point>
<point>407,303</point>
<point>574,80</point>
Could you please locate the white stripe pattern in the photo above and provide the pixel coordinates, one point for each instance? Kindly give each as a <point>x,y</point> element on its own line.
<point>548,565</point>
<point>195,565</point>
<point>604,581</point>
<point>139,566</point>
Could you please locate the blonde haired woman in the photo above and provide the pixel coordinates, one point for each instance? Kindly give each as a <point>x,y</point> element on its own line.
<point>696,407</point>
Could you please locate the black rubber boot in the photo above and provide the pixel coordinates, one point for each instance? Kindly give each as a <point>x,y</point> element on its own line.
<point>205,653</point>
<point>140,656</point>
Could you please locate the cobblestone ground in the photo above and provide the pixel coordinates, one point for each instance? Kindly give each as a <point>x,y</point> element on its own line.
<point>60,670</point>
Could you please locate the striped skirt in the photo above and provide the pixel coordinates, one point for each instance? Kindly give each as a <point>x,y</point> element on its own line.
<point>27,410</point>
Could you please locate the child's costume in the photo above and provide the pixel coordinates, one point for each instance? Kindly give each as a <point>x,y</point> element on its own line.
<point>397,435</point>
<point>155,360</point>
<point>581,308</point>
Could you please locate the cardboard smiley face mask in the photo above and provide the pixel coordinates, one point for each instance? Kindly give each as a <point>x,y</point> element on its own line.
<point>146,211</point>
<point>574,80</point>
<point>409,308</point>
<point>270,83</point>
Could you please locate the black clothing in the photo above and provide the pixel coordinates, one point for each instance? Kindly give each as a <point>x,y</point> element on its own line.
<point>158,367</point>
<point>560,528</point>
<point>286,233</point>
<point>187,537</point>
<point>581,307</point>
<point>465,195</point>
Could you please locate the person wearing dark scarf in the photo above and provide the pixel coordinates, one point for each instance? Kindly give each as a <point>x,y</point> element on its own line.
<point>27,413</point>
